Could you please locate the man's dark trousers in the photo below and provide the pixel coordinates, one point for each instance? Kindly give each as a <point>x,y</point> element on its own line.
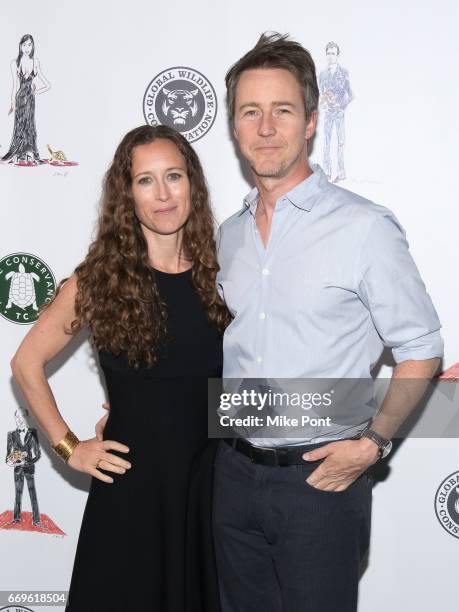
<point>27,471</point>
<point>283,545</point>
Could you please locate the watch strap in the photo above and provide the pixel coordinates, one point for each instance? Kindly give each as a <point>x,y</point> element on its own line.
<point>377,438</point>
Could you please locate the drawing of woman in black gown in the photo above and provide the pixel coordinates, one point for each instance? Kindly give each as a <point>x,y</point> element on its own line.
<point>24,70</point>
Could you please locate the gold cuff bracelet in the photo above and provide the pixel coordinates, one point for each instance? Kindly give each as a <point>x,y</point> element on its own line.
<point>66,446</point>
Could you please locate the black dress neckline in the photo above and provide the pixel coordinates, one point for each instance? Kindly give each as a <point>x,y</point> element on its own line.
<point>192,346</point>
<point>160,272</point>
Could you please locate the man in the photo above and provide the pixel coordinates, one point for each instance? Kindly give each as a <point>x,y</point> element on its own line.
<point>335,95</point>
<point>23,451</point>
<point>318,280</point>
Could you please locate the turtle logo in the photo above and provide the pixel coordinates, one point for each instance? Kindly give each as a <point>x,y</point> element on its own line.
<point>26,282</point>
<point>22,289</point>
<point>447,504</point>
<point>183,99</point>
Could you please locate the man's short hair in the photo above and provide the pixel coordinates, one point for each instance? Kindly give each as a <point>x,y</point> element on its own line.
<point>332,45</point>
<point>275,50</point>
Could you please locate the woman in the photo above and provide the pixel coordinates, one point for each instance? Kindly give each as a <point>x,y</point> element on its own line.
<point>147,292</point>
<point>24,69</point>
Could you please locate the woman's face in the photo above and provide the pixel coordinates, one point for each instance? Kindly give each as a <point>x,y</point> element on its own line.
<point>160,187</point>
<point>26,47</point>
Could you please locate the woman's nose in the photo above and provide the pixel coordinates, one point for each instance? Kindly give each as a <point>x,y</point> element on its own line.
<point>163,191</point>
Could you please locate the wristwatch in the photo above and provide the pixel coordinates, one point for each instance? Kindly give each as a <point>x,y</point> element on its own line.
<point>385,445</point>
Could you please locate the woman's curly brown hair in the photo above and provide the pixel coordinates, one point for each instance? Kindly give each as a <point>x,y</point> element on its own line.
<point>117,295</point>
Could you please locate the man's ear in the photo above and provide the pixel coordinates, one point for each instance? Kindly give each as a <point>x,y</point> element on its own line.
<point>235,133</point>
<point>311,125</point>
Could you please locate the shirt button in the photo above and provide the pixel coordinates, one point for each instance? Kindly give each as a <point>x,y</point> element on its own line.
<point>259,360</point>
<point>262,315</point>
<point>265,271</point>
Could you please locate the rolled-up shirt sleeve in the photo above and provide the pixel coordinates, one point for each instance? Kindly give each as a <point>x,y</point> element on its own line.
<point>390,286</point>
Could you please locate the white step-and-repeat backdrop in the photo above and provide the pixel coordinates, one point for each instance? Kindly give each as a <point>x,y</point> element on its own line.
<point>102,68</point>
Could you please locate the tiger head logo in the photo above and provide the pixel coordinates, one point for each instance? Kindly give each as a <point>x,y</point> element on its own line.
<point>180,103</point>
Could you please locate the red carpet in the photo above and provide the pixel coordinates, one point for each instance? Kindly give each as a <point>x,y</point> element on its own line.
<point>47,524</point>
<point>31,164</point>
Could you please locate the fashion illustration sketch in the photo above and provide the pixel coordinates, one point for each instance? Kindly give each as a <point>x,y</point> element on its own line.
<point>28,81</point>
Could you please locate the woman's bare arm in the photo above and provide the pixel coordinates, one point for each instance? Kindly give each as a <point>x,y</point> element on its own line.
<point>44,341</point>
<point>14,74</point>
<point>46,83</point>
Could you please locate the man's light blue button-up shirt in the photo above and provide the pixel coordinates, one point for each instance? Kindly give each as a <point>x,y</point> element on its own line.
<point>335,284</point>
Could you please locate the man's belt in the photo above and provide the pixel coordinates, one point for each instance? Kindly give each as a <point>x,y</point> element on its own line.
<point>280,456</point>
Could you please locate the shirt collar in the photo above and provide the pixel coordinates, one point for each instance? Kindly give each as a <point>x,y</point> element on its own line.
<point>304,195</point>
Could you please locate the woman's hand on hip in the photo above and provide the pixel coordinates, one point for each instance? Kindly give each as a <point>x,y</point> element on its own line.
<point>91,455</point>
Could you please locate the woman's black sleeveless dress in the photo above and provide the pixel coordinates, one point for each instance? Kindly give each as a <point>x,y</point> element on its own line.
<point>146,539</point>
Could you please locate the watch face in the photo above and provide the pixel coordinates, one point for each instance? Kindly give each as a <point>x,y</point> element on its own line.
<point>386,449</point>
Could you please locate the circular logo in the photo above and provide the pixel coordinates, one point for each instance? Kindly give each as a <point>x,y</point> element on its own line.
<point>447,504</point>
<point>183,99</point>
<point>26,282</point>
<point>15,608</point>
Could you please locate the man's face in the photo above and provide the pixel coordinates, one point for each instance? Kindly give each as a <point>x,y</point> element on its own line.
<point>332,56</point>
<point>20,420</point>
<point>270,123</point>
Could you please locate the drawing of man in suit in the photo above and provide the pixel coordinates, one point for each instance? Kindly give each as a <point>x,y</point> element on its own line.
<point>23,451</point>
<point>335,95</point>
